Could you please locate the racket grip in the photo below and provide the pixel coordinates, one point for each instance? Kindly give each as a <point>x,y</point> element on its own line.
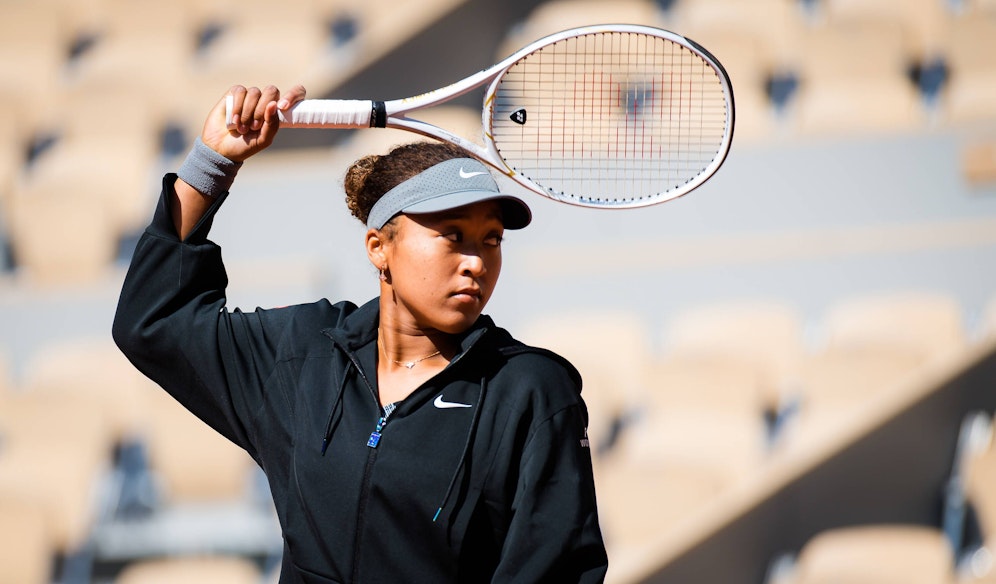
<point>322,113</point>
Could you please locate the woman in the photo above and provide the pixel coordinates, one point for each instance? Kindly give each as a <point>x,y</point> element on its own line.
<point>405,440</point>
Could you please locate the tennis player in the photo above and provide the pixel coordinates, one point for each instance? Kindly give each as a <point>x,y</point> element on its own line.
<point>409,439</point>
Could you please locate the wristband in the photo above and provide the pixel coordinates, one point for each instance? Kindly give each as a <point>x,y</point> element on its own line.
<point>207,171</point>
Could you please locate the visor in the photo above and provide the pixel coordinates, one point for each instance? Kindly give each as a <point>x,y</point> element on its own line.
<point>450,184</point>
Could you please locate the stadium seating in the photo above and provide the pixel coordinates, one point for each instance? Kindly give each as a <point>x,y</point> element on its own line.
<point>879,554</point>
<point>26,548</point>
<point>930,324</point>
<point>685,405</point>
<point>853,78</point>
<point>94,370</point>
<point>970,94</point>
<point>192,570</point>
<point>834,386</point>
<point>764,335</point>
<point>979,471</point>
<point>56,451</point>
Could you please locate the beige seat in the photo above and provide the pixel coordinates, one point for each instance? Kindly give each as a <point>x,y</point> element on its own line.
<point>557,15</point>
<point>637,501</point>
<point>876,554</point>
<point>766,335</point>
<point>978,162</point>
<point>96,370</point>
<point>191,460</point>
<point>832,387</point>
<point>193,570</point>
<point>970,94</point>
<point>979,473</point>
<point>682,381</point>
<point>774,27</point>
<point>55,451</point>
<point>26,548</point>
<point>61,235</point>
<point>745,58</point>
<point>923,23</point>
<point>853,79</point>
<point>925,322</point>
<point>34,45</point>
<point>731,446</point>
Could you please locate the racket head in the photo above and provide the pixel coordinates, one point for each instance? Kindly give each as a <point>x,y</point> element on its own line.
<point>610,116</point>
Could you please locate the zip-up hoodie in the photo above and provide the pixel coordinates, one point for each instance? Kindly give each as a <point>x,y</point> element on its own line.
<point>482,474</point>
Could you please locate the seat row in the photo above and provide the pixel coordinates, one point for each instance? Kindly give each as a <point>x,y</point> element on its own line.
<point>733,388</point>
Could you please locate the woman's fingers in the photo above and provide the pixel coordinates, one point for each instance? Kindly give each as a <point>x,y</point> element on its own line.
<point>251,121</point>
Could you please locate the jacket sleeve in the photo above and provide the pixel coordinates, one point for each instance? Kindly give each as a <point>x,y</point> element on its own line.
<point>172,324</point>
<point>554,534</point>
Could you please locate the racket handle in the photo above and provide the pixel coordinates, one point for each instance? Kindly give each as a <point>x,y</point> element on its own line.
<point>323,113</point>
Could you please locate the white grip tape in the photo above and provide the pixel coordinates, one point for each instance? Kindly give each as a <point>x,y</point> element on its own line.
<point>329,113</point>
<point>321,113</point>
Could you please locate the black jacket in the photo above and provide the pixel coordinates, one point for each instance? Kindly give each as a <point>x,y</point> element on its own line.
<point>481,474</point>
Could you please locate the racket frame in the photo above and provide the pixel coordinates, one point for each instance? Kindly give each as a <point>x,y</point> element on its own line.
<point>394,114</point>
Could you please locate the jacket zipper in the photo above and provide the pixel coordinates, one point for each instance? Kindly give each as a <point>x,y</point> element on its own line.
<point>373,441</point>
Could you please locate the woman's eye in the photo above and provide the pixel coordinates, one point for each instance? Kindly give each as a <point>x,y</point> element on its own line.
<point>455,236</point>
<point>494,240</point>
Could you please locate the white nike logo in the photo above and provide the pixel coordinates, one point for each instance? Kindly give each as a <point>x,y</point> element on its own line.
<point>439,403</point>
<point>465,174</point>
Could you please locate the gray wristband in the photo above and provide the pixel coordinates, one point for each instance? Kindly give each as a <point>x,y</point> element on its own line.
<point>207,171</point>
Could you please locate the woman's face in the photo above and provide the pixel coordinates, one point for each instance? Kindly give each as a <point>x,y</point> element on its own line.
<point>442,267</point>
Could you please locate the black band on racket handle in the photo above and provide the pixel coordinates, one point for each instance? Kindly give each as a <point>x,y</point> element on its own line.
<point>378,117</point>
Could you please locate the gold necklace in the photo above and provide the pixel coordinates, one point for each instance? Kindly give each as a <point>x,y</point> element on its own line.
<point>410,364</point>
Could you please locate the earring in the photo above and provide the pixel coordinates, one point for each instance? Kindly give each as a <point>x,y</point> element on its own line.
<point>383,274</point>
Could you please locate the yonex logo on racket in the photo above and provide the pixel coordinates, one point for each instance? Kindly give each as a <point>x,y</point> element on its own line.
<point>465,174</point>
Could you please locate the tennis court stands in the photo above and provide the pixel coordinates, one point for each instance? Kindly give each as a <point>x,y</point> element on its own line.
<point>694,415</point>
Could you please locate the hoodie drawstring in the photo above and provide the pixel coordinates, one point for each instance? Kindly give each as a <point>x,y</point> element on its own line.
<point>466,448</point>
<point>329,427</point>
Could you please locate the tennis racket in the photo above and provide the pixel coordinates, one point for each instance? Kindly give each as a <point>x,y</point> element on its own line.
<point>609,116</point>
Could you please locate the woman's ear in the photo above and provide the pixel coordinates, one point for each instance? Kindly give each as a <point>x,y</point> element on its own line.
<point>376,248</point>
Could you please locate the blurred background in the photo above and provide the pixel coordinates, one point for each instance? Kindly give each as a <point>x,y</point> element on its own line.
<point>790,372</point>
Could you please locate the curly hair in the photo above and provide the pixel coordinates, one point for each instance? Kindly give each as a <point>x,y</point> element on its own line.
<point>369,178</point>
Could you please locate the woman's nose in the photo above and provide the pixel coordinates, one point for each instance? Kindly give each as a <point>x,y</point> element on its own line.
<point>473,265</point>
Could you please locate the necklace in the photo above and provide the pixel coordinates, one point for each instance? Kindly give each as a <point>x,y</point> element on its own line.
<point>410,364</point>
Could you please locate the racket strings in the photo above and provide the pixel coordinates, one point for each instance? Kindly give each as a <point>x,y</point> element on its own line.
<point>611,118</point>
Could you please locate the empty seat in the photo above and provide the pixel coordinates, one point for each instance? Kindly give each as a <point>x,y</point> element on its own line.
<point>924,322</point>
<point>876,554</point>
<point>774,27</point>
<point>34,46</point>
<point>638,502</point>
<point>191,570</point>
<point>92,369</point>
<point>853,79</point>
<point>55,451</point>
<point>63,237</point>
<point>766,335</point>
<point>704,382</point>
<point>26,548</point>
<point>833,387</point>
<point>191,460</point>
<point>557,15</point>
<point>923,23</point>
<point>978,162</point>
<point>979,473</point>
<point>730,445</point>
<point>970,94</point>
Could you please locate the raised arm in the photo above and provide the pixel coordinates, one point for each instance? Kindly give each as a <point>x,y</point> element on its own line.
<point>251,129</point>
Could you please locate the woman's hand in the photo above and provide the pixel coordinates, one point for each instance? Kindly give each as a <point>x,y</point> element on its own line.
<point>253,123</point>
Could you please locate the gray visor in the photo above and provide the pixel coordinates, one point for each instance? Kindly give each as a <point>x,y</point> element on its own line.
<point>448,185</point>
